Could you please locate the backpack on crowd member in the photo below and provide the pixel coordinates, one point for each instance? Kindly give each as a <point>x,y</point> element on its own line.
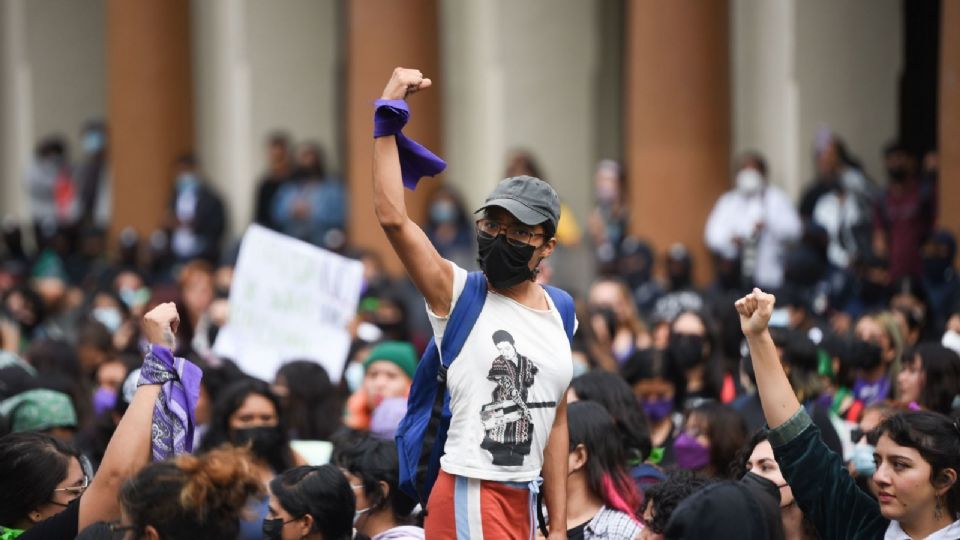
<point>423,430</point>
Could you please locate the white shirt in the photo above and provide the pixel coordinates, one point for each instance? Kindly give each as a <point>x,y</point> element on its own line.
<point>737,214</point>
<point>950,532</point>
<point>839,216</point>
<point>503,396</point>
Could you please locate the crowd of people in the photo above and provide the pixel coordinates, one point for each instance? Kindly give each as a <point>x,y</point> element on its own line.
<point>684,411</point>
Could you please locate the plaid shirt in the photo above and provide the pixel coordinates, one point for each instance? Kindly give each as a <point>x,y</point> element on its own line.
<point>611,524</point>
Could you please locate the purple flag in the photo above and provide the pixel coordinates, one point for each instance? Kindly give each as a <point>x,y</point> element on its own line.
<point>174,413</point>
<point>415,160</point>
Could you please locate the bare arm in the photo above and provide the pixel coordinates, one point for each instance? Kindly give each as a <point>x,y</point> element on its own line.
<point>129,448</point>
<point>430,272</point>
<point>776,395</point>
<point>555,473</point>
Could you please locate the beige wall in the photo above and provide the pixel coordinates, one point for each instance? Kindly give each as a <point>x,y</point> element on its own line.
<point>262,65</point>
<point>53,78</point>
<point>800,64</point>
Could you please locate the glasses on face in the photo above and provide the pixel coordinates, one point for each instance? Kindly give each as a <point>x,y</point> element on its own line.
<point>856,434</point>
<point>517,235</point>
<point>75,491</point>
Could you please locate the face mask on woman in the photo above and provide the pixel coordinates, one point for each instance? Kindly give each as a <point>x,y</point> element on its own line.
<point>658,409</point>
<point>862,459</point>
<point>504,264</point>
<point>686,350</point>
<point>273,528</point>
<point>263,440</point>
<point>691,454</point>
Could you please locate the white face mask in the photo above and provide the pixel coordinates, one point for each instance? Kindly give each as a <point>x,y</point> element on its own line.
<point>109,317</point>
<point>749,181</point>
<point>358,513</point>
<point>354,376</point>
<point>951,340</point>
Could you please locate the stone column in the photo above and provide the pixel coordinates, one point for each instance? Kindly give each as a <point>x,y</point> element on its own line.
<point>150,106</point>
<point>381,35</point>
<point>677,132</point>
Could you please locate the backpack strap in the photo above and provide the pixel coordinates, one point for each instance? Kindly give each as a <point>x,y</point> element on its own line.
<point>565,305</point>
<point>461,321</point>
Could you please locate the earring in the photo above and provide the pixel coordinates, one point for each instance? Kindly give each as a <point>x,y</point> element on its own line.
<point>938,512</point>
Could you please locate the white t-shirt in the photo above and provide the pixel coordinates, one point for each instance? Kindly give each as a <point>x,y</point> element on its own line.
<point>503,395</point>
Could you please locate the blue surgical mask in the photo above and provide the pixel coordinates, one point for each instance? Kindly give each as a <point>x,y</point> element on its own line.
<point>187,181</point>
<point>109,317</point>
<point>443,212</point>
<point>354,376</point>
<point>862,459</point>
<point>93,141</point>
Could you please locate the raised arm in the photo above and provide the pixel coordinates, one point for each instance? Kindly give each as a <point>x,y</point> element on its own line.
<point>430,272</point>
<point>776,395</point>
<point>129,448</point>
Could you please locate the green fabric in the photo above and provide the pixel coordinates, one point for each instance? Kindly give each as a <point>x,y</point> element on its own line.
<point>656,455</point>
<point>824,490</point>
<point>9,534</point>
<point>38,410</point>
<point>400,353</point>
<point>49,265</point>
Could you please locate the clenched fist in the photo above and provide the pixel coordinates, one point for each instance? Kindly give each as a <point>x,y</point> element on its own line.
<point>160,325</point>
<point>755,310</point>
<point>404,82</point>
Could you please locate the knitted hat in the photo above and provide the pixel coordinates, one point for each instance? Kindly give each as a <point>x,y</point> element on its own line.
<point>38,410</point>
<point>400,353</point>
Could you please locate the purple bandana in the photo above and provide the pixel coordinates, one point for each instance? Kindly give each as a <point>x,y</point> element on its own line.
<point>173,415</point>
<point>415,160</point>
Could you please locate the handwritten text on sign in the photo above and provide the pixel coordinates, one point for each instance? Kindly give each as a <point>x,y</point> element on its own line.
<point>289,301</point>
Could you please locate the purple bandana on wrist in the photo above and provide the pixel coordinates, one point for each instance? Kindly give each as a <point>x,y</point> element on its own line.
<point>415,160</point>
<point>173,416</point>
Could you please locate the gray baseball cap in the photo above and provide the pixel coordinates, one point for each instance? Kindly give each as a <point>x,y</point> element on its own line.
<point>529,199</point>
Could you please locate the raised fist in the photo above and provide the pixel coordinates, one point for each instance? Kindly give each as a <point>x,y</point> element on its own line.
<point>755,310</point>
<point>160,325</point>
<point>404,82</point>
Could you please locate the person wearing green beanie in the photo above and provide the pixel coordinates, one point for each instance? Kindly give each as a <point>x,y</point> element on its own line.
<point>388,373</point>
<point>41,410</point>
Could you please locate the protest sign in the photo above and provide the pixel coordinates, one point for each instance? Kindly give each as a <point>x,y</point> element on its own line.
<point>289,301</point>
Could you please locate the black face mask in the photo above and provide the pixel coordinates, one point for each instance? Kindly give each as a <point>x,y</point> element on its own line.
<point>897,174</point>
<point>864,355</point>
<point>686,350</point>
<point>263,440</point>
<point>505,265</point>
<point>273,528</point>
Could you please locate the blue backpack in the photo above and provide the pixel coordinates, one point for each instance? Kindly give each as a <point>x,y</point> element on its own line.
<point>422,433</point>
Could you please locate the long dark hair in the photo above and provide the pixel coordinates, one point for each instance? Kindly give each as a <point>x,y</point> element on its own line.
<point>941,368</point>
<point>312,407</point>
<point>31,466</point>
<point>192,496</point>
<point>324,493</point>
<point>614,394</point>
<point>373,461</point>
<point>592,426</point>
<point>281,458</point>
<point>726,431</point>
<point>936,437</point>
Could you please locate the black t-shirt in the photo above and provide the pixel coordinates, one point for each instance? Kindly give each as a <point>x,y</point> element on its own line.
<point>62,526</point>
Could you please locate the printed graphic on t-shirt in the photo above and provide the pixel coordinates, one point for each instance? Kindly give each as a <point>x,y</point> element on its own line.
<point>507,421</point>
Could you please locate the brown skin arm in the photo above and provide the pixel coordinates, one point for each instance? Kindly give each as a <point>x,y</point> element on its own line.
<point>555,473</point>
<point>431,273</point>
<point>129,449</point>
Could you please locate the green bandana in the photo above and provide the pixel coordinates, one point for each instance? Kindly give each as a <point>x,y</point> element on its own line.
<point>9,534</point>
<point>38,410</point>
